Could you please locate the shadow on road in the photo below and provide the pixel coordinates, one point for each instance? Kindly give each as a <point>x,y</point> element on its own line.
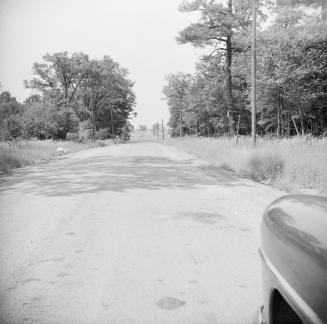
<point>106,173</point>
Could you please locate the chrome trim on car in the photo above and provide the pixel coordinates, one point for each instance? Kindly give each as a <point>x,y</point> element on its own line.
<point>259,318</point>
<point>291,293</point>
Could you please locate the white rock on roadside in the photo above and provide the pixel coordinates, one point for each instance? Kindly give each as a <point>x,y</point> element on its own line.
<point>61,150</point>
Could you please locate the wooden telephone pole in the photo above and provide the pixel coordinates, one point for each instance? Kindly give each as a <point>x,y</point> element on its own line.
<point>180,119</point>
<point>112,123</point>
<point>254,72</point>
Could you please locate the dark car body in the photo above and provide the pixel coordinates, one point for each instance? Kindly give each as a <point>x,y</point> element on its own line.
<point>294,258</point>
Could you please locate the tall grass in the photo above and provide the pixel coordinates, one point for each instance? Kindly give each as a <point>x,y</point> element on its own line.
<point>16,154</point>
<point>291,164</point>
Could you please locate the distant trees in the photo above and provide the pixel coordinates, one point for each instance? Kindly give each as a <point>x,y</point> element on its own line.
<point>10,120</point>
<point>143,128</point>
<point>106,95</point>
<point>176,92</point>
<point>291,74</point>
<point>73,96</point>
<point>158,130</point>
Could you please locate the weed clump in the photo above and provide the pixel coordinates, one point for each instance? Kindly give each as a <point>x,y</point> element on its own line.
<point>263,165</point>
<point>9,161</point>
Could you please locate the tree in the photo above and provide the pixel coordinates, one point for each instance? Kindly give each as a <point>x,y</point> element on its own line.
<point>93,92</point>
<point>107,95</point>
<point>312,3</point>
<point>59,77</point>
<point>33,98</point>
<point>57,81</point>
<point>143,128</point>
<point>292,77</point>
<point>175,92</point>
<point>10,116</point>
<point>220,28</point>
<point>39,121</point>
<point>292,82</point>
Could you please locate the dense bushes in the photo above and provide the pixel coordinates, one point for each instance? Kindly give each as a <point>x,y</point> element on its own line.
<point>291,73</point>
<point>73,97</point>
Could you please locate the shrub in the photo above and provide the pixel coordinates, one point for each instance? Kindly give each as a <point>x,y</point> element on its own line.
<point>72,137</point>
<point>101,144</point>
<point>9,161</point>
<point>263,165</point>
<point>102,134</point>
<point>84,131</point>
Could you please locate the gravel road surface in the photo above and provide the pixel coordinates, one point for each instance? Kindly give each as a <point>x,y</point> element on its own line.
<point>134,233</point>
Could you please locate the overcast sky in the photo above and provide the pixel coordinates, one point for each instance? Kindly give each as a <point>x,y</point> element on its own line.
<point>139,34</point>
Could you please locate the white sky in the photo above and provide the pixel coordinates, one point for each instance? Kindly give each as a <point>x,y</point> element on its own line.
<point>139,34</point>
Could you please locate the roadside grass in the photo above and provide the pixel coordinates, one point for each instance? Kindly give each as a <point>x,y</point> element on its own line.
<point>293,165</point>
<point>17,154</point>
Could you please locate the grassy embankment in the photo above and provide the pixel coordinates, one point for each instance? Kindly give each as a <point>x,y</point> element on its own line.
<point>293,165</point>
<point>17,154</point>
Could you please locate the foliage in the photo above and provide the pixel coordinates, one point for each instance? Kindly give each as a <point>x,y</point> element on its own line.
<point>293,84</point>
<point>67,92</point>
<point>143,128</point>
<point>175,92</point>
<point>44,120</point>
<point>106,95</point>
<point>299,2</point>
<point>291,72</point>
<point>59,76</point>
<point>10,120</point>
<point>224,29</point>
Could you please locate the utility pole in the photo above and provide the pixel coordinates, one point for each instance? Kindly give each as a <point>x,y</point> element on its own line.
<point>254,71</point>
<point>238,128</point>
<point>112,123</point>
<point>180,119</point>
<point>93,118</point>
<point>162,129</point>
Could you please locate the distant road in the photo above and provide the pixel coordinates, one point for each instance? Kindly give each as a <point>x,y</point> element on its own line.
<point>133,233</point>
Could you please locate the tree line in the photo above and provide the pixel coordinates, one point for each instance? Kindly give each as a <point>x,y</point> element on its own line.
<point>73,97</point>
<point>291,70</point>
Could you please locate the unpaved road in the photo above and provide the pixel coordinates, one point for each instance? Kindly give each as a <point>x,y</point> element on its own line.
<point>136,233</point>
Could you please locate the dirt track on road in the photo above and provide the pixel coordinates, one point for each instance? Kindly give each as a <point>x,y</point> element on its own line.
<point>134,233</point>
